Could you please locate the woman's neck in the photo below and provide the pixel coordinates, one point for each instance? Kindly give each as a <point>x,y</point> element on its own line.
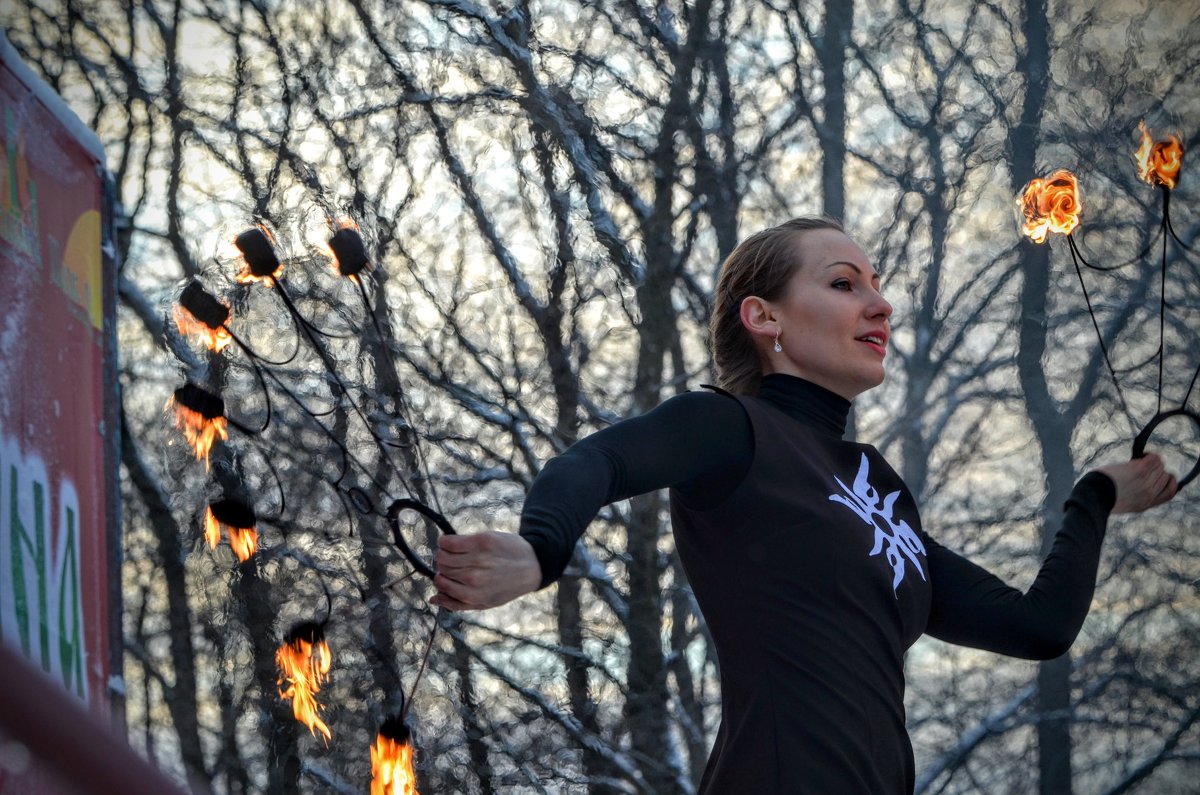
<point>804,401</point>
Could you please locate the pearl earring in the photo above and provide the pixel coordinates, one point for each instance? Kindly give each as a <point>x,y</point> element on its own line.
<point>778,347</point>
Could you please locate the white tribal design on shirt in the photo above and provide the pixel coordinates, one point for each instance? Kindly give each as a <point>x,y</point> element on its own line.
<point>893,536</point>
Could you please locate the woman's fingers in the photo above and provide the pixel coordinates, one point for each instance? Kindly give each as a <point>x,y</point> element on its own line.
<point>441,600</point>
<point>460,543</point>
<point>1168,487</point>
<point>451,594</point>
<point>1160,484</point>
<point>1141,483</point>
<point>484,570</point>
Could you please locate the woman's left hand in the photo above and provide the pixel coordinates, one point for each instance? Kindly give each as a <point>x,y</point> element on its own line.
<point>1141,483</point>
<point>482,570</point>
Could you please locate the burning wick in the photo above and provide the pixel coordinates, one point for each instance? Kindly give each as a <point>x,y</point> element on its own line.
<point>1159,161</point>
<point>239,522</point>
<point>304,661</point>
<point>349,252</point>
<point>1050,205</point>
<point>392,760</point>
<point>201,416</point>
<point>201,314</point>
<point>258,248</point>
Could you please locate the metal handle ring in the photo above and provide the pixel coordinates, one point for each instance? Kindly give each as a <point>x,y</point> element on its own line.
<point>1139,444</point>
<point>393,514</point>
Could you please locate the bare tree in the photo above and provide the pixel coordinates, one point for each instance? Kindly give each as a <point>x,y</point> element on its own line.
<point>546,192</point>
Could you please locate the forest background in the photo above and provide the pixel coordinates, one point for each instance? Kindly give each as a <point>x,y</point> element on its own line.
<point>546,190</point>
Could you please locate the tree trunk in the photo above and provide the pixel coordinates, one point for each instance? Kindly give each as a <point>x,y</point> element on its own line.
<point>1053,430</point>
<point>278,726</point>
<point>181,698</point>
<point>481,765</point>
<point>1051,427</point>
<point>839,20</point>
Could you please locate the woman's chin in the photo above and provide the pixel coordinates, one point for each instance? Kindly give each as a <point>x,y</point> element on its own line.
<point>868,382</point>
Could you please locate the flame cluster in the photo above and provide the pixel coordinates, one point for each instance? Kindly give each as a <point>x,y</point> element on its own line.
<point>1159,161</point>
<point>203,315</point>
<point>201,417</point>
<point>304,662</point>
<point>239,525</point>
<point>215,339</point>
<point>303,658</point>
<point>1050,205</point>
<point>200,431</point>
<point>392,766</point>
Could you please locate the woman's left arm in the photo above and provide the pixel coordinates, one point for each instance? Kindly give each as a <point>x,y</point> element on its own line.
<point>972,607</point>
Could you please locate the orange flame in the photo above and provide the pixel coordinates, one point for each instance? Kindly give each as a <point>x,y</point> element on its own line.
<point>242,540</point>
<point>214,339</point>
<point>247,275</point>
<point>392,767</point>
<point>323,248</point>
<point>199,430</point>
<point>212,529</point>
<point>1050,205</point>
<point>304,666</point>
<point>1159,161</point>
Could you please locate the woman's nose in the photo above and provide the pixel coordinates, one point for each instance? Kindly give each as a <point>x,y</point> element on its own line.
<point>879,307</point>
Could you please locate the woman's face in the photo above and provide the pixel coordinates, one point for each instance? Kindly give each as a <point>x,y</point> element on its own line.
<point>832,321</point>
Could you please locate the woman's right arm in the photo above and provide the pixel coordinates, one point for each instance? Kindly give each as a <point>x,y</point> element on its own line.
<point>699,442</point>
<point>973,607</point>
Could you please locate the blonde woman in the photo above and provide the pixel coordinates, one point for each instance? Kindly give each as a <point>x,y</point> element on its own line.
<point>805,552</point>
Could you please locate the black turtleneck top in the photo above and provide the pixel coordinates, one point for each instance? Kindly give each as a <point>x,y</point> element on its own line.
<point>807,557</point>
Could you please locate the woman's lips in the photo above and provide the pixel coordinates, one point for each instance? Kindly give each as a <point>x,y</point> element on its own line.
<point>876,342</point>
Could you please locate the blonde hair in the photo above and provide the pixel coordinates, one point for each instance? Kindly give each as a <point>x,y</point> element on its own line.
<point>761,265</point>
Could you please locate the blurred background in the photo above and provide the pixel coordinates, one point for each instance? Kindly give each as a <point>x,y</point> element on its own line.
<point>546,191</point>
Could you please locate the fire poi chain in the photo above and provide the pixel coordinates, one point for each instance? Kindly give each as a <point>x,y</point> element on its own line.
<point>304,658</point>
<point>1052,205</point>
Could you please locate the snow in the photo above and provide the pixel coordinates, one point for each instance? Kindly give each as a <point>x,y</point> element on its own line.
<point>50,100</point>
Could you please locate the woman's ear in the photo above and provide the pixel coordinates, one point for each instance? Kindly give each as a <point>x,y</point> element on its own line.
<point>758,316</point>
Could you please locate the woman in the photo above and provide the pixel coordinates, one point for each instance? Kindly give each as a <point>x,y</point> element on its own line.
<point>805,552</point>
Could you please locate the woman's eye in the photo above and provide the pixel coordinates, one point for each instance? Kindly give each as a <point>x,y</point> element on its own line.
<point>841,284</point>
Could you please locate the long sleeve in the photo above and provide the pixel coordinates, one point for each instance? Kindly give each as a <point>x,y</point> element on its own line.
<point>699,442</point>
<point>972,607</point>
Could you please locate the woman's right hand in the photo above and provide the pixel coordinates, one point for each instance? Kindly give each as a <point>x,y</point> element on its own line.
<point>1141,483</point>
<point>483,570</point>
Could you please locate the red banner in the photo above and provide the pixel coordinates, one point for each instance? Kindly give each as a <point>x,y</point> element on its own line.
<point>56,468</point>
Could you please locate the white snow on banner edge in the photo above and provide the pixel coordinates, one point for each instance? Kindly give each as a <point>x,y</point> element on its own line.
<point>52,101</point>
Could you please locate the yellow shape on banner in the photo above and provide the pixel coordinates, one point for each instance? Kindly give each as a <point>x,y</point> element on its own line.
<point>81,259</point>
